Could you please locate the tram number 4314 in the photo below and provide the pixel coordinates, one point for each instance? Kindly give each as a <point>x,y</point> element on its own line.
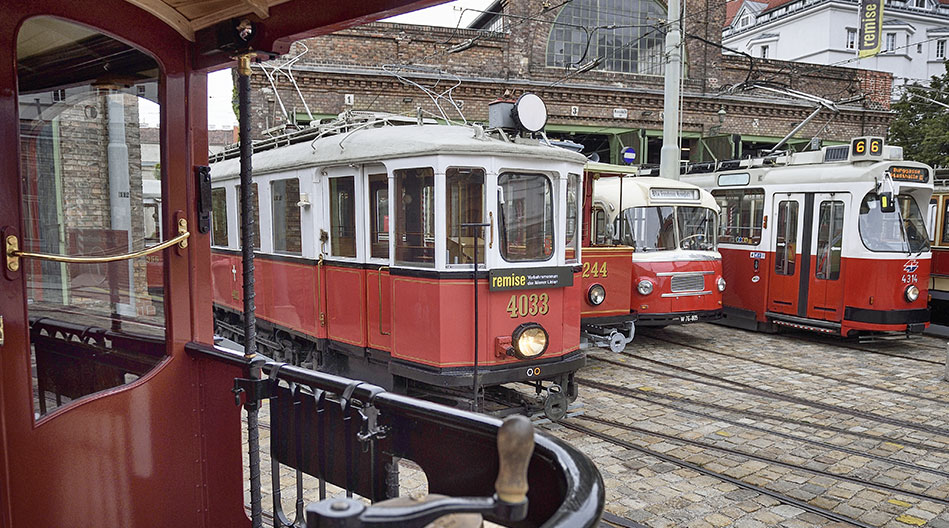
<point>910,278</point>
<point>524,305</point>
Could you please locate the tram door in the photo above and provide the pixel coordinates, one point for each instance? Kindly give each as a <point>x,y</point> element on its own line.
<point>787,266</point>
<point>825,285</point>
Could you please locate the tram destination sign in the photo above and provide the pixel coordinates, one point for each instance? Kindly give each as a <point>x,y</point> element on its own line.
<point>530,278</point>
<point>910,174</point>
<point>673,195</point>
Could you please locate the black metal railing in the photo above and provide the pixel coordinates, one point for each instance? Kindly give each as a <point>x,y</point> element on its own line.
<point>351,434</point>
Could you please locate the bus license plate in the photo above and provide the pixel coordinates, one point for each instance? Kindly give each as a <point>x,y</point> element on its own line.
<point>689,318</point>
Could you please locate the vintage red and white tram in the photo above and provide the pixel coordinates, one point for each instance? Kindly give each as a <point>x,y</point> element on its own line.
<point>832,241</point>
<point>649,254</point>
<point>382,289</point>
<point>115,408</point>
<point>939,239</point>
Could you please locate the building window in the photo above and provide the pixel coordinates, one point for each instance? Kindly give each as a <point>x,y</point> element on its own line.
<point>919,48</point>
<point>623,40</point>
<point>851,39</point>
<point>920,3</point>
<point>745,21</point>
<point>890,43</point>
<point>940,49</point>
<point>764,52</point>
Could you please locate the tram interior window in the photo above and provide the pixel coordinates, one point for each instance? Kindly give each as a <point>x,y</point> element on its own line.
<point>219,217</point>
<point>526,211</point>
<point>697,230</point>
<point>945,222</point>
<point>379,215</point>
<point>465,205</point>
<point>647,228</point>
<point>903,230</point>
<point>284,195</point>
<point>84,171</point>
<point>601,234</point>
<point>415,217</point>
<point>573,214</point>
<point>256,210</point>
<point>343,217</point>
<point>741,216</point>
<point>829,239</point>
<point>786,241</point>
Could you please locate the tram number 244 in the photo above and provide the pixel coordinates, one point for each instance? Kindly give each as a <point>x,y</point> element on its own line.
<point>594,269</point>
<point>524,305</point>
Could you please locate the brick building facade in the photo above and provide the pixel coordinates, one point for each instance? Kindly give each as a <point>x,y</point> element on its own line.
<point>373,67</point>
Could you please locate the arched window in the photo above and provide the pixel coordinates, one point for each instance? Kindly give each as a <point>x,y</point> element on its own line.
<point>623,34</point>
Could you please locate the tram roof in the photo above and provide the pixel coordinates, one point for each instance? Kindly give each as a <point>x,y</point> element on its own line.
<point>389,143</point>
<point>807,173</point>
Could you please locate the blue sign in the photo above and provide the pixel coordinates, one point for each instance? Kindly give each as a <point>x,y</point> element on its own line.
<point>629,155</point>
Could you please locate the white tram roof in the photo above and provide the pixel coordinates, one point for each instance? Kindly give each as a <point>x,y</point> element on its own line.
<point>393,142</point>
<point>640,191</point>
<point>806,168</point>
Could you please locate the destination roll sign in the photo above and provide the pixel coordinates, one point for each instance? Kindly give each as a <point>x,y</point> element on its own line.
<point>910,174</point>
<point>530,278</point>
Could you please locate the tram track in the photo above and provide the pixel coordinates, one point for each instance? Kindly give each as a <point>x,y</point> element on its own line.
<point>651,396</point>
<point>784,499</point>
<point>745,388</point>
<point>842,344</point>
<point>766,460</point>
<point>798,370</point>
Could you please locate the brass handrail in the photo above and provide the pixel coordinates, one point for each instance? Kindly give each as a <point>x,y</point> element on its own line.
<point>181,240</point>
<point>97,260</point>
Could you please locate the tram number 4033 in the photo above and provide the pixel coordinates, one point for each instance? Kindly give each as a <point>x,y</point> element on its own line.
<point>524,305</point>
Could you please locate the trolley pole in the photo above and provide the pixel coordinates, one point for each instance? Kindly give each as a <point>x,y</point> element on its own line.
<point>477,229</point>
<point>247,260</point>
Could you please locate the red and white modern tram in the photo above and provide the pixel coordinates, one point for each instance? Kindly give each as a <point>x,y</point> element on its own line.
<point>382,289</point>
<point>832,241</point>
<point>649,253</point>
<point>115,407</point>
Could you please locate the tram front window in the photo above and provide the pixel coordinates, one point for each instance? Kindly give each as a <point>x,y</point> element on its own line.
<point>903,230</point>
<point>87,108</point>
<point>526,224</point>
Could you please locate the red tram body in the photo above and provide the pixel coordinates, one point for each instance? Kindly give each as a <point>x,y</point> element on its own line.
<point>831,241</point>
<point>115,407</point>
<point>939,238</point>
<point>333,290</point>
<point>649,253</point>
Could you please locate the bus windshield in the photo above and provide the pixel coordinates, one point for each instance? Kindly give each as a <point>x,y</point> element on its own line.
<point>663,228</point>
<point>903,230</point>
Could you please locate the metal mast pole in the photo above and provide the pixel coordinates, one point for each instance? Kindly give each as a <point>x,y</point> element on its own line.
<point>247,258</point>
<point>670,154</point>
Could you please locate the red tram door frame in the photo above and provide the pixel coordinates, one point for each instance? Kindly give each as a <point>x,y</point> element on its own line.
<point>806,280</point>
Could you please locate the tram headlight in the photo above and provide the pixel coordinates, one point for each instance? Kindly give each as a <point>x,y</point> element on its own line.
<point>529,341</point>
<point>596,294</point>
<point>645,287</point>
<point>720,282</point>
<point>911,293</point>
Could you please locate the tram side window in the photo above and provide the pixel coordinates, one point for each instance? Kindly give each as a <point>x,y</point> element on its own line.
<point>415,217</point>
<point>256,214</point>
<point>829,240</point>
<point>786,240</point>
<point>526,211</point>
<point>219,217</point>
<point>379,215</point>
<point>573,198</point>
<point>343,217</point>
<point>88,188</point>
<point>284,195</point>
<point>945,221</point>
<point>601,232</point>
<point>741,216</point>
<point>465,188</point>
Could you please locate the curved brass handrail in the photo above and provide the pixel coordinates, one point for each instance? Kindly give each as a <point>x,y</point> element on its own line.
<point>97,260</point>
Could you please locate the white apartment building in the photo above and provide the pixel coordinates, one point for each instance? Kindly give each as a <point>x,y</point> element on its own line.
<point>915,35</point>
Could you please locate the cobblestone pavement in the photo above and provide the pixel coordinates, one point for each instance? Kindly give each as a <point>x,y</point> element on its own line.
<point>857,433</point>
